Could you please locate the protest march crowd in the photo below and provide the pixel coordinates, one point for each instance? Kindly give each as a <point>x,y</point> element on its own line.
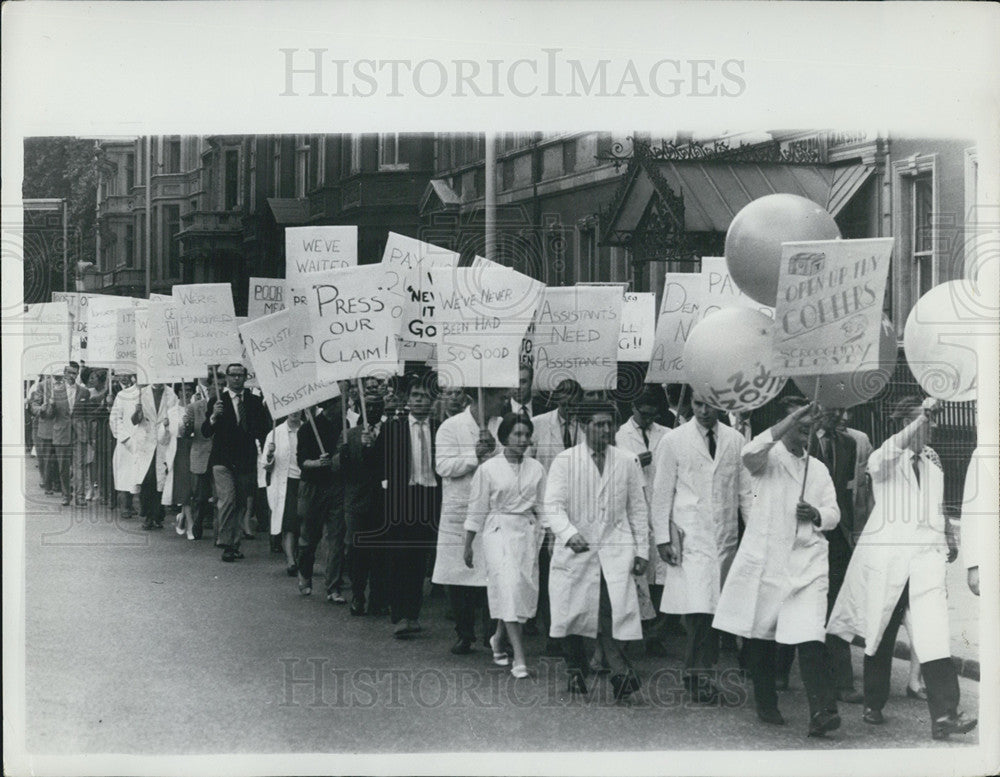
<point>539,504</point>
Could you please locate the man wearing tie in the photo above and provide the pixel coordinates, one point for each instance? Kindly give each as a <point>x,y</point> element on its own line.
<point>900,560</point>
<point>412,504</point>
<point>237,423</point>
<point>520,400</point>
<point>69,426</point>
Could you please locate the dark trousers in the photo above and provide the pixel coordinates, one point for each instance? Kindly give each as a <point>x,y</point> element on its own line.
<point>335,532</point>
<point>761,659</point>
<point>232,492</point>
<point>465,600</point>
<point>409,537</point>
<point>63,460</point>
<point>365,561</point>
<point>149,498</point>
<point>701,644</point>
<point>201,507</point>
<point>316,507</point>
<point>47,464</point>
<point>542,613</point>
<point>940,676</point>
<point>655,630</point>
<point>838,651</point>
<point>613,649</point>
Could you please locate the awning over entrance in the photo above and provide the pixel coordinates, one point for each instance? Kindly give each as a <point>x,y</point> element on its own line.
<point>289,211</point>
<point>438,196</point>
<point>713,192</point>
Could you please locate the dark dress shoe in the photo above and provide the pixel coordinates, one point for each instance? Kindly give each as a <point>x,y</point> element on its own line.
<point>462,647</point>
<point>912,694</point>
<point>771,716</point>
<point>577,683</point>
<point>823,722</point>
<point>238,555</point>
<point>81,502</point>
<point>249,536</point>
<point>291,570</point>
<point>956,723</point>
<point>357,608</point>
<point>624,685</point>
<point>227,555</point>
<point>850,696</point>
<point>66,501</point>
<point>873,717</point>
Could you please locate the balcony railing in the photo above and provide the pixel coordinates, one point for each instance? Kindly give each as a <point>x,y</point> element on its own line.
<point>211,222</point>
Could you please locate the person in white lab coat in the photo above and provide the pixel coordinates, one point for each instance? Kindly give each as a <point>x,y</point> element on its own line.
<point>505,502</point>
<point>463,442</point>
<point>900,561</point>
<point>641,435</point>
<point>596,508</point>
<point>775,591</point>
<point>979,505</point>
<point>282,474</point>
<point>150,446</point>
<point>123,458</point>
<point>700,486</point>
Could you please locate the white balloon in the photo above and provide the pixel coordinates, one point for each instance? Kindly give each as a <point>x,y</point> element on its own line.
<point>727,358</point>
<point>940,340</point>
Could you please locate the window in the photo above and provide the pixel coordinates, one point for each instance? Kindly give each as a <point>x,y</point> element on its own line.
<point>171,245</point>
<point>569,156</point>
<point>155,257</point>
<point>172,155</point>
<point>232,187</point>
<point>129,257</point>
<point>355,154</point>
<point>320,160</point>
<point>389,152</point>
<point>129,172</point>
<point>301,165</point>
<point>276,168</point>
<point>253,174</point>
<point>922,236</point>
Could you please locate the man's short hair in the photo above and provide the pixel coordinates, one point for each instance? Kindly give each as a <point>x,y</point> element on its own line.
<point>650,396</point>
<point>236,364</point>
<point>904,407</point>
<point>585,411</point>
<point>789,404</point>
<point>74,365</point>
<point>568,388</point>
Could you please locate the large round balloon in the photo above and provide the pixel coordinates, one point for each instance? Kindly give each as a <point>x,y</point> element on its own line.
<point>753,242</point>
<point>940,340</point>
<point>727,360</point>
<point>846,389</point>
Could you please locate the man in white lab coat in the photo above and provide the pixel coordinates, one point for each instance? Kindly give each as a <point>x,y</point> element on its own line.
<point>900,561</point>
<point>700,486</point>
<point>149,447</point>
<point>596,508</point>
<point>979,505</point>
<point>776,588</point>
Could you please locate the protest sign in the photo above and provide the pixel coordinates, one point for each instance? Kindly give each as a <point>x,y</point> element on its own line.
<point>77,304</point>
<point>159,355</point>
<point>409,264</point>
<point>576,336</point>
<point>207,325</point>
<point>638,327</point>
<point>126,345</point>
<point>680,310</point>
<point>719,290</point>
<point>316,249</point>
<point>484,314</point>
<point>46,339</point>
<point>288,383</point>
<point>251,380</point>
<point>155,297</point>
<point>351,324</point>
<point>102,328</point>
<point>413,351</point>
<point>266,296</point>
<point>828,316</point>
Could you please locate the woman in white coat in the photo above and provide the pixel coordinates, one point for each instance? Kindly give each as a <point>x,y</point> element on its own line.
<point>178,486</point>
<point>281,477</point>
<point>461,445</point>
<point>776,587</point>
<point>123,458</point>
<point>150,449</point>
<point>900,560</point>
<point>504,504</point>
<point>700,486</point>
<point>596,508</point>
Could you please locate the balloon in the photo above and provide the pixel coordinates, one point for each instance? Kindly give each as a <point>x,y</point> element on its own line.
<point>727,358</point>
<point>846,389</point>
<point>753,242</point>
<point>940,341</point>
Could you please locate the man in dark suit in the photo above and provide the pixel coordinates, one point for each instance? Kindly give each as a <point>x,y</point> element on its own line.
<point>195,415</point>
<point>238,422</point>
<point>363,509</point>
<point>66,407</point>
<point>412,504</point>
<point>521,399</point>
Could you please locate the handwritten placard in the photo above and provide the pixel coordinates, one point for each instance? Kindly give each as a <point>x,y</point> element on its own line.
<point>353,329</point>
<point>575,336</point>
<point>411,267</point>
<point>46,339</point>
<point>288,383</point>
<point>317,249</point>
<point>159,355</point>
<point>77,304</point>
<point>828,317</point>
<point>266,296</point>
<point>102,328</point>
<point>719,290</point>
<point>207,324</point>
<point>638,327</point>
<point>485,312</point>
<point>680,310</point>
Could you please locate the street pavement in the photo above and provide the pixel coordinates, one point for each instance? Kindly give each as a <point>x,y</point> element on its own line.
<point>145,642</point>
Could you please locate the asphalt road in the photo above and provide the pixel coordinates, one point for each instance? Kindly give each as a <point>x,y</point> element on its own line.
<point>141,642</point>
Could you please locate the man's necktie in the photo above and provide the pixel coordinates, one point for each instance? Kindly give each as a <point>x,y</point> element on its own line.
<point>240,414</point>
<point>824,448</point>
<point>645,438</point>
<point>710,434</point>
<point>567,439</point>
<point>425,452</point>
<point>915,461</point>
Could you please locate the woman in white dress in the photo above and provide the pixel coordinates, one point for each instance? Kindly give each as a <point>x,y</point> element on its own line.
<point>504,503</point>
